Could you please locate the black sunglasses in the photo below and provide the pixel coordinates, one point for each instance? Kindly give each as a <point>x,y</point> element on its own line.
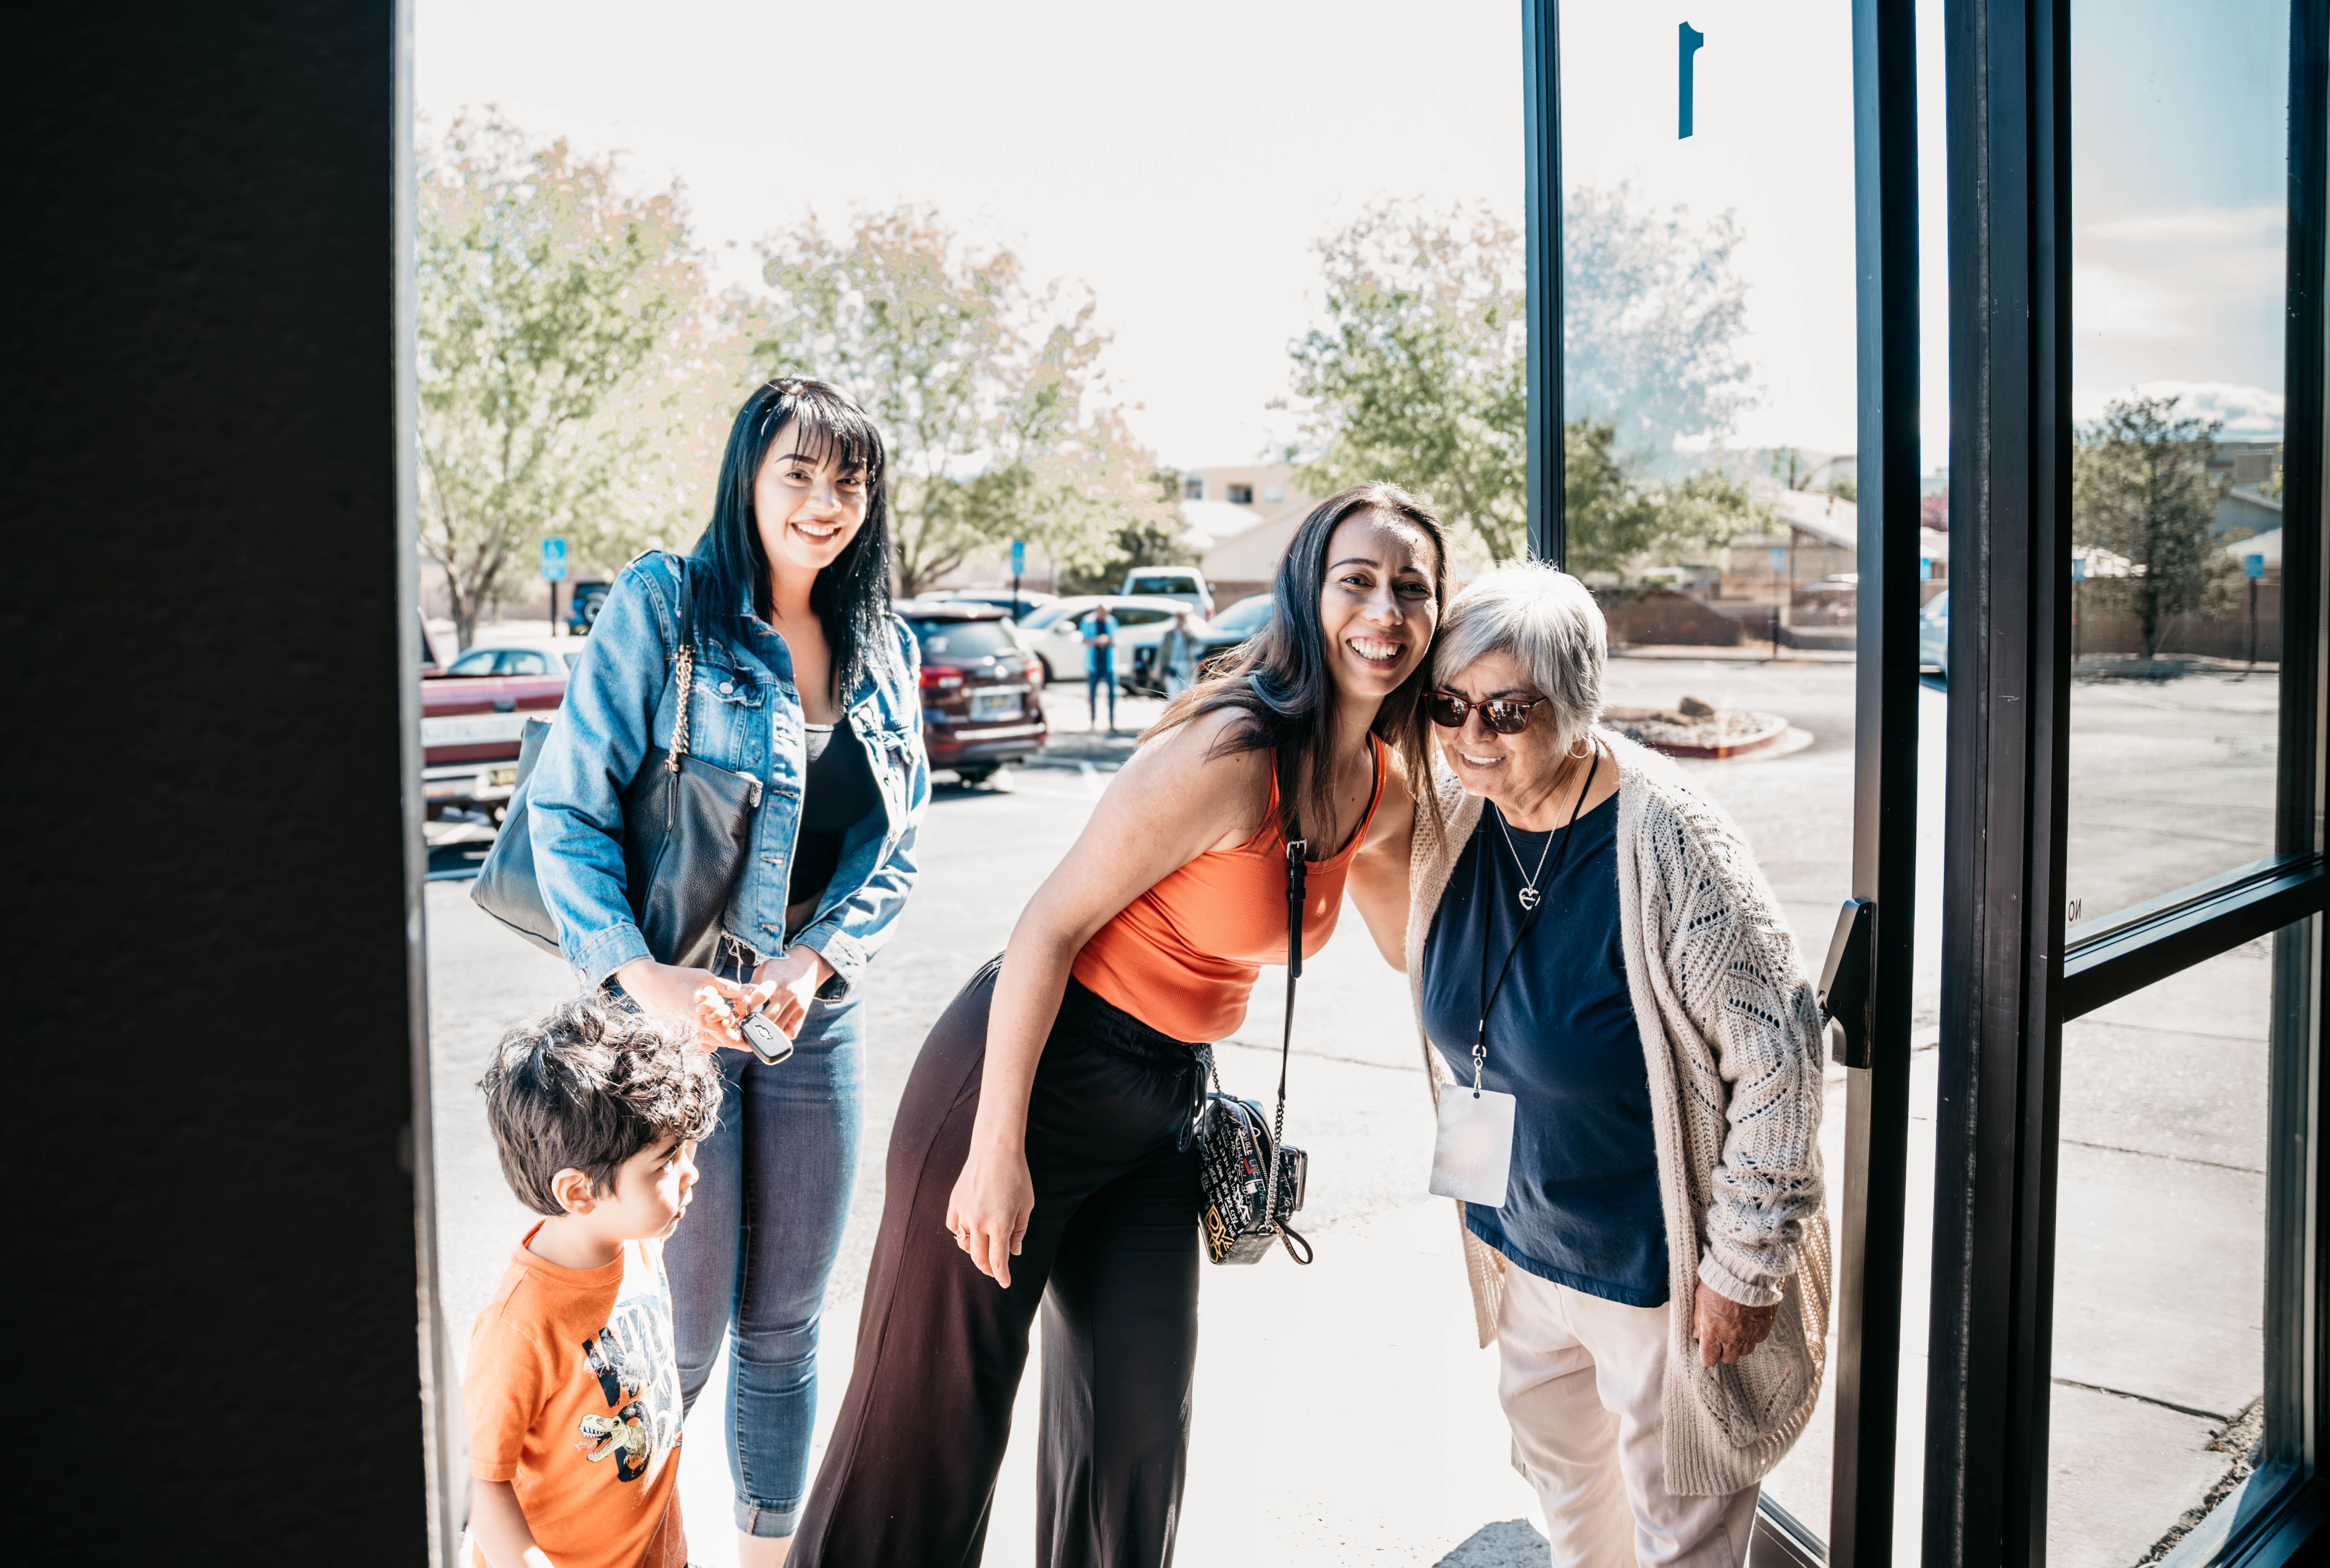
<point>1505,715</point>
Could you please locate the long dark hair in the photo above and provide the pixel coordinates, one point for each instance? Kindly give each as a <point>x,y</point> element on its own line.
<point>851,596</point>
<point>1279,679</point>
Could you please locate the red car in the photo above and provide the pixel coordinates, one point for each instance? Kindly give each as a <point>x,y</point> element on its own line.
<point>471,713</point>
<point>979,707</point>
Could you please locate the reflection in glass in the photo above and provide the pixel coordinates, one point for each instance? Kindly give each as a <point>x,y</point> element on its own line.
<point>2177,190</point>
<point>2159,1357</point>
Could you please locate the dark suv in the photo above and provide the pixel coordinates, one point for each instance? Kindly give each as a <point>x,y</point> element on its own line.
<point>979,709</point>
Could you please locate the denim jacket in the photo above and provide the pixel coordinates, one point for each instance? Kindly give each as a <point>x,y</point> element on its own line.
<point>745,716</point>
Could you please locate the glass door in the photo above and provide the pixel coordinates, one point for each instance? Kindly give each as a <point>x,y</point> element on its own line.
<point>2126,1275</point>
<point>1726,400</point>
<point>1959,369</point>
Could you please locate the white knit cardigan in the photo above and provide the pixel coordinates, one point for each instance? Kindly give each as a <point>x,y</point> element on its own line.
<point>1731,1035</point>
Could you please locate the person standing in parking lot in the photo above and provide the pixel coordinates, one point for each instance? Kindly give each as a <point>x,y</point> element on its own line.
<point>1100,662</point>
<point>1176,656</point>
<point>804,681</point>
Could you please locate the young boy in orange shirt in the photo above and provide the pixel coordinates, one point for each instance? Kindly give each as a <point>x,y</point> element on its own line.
<point>573,1389</point>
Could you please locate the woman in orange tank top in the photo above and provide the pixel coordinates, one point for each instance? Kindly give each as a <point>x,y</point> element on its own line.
<point>1041,1157</point>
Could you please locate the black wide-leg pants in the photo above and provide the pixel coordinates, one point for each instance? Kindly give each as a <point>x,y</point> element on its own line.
<point>1110,1255</point>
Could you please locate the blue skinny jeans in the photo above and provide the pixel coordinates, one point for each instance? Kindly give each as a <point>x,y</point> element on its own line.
<point>749,1263</point>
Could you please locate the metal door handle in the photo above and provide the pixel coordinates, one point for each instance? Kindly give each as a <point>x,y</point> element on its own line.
<point>1845,985</point>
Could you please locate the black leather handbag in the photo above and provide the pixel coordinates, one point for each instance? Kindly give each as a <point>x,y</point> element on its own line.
<point>1240,1157</point>
<point>688,827</point>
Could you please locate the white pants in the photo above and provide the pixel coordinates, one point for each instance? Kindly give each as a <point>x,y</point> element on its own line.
<point>1579,1378</point>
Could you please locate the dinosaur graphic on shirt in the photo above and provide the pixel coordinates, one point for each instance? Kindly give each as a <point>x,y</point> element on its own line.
<point>645,1422</point>
<point>624,1436</point>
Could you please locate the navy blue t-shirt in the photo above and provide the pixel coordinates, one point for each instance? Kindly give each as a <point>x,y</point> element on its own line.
<point>1582,1208</point>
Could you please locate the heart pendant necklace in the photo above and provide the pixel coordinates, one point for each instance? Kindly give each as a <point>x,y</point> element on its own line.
<point>1529,895</point>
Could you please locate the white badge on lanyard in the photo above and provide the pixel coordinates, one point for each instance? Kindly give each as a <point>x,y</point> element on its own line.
<point>1473,1153</point>
<point>1473,1156</point>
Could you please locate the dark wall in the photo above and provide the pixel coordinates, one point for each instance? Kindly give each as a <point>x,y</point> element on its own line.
<point>214,1299</point>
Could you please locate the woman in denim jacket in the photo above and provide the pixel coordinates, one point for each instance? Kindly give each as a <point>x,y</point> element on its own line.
<point>805,681</point>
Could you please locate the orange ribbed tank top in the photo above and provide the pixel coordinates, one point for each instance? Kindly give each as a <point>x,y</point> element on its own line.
<point>1183,957</point>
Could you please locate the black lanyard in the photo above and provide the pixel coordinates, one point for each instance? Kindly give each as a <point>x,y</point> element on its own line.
<point>1488,993</point>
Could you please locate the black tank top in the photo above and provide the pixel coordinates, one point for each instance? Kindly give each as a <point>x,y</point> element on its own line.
<point>837,792</point>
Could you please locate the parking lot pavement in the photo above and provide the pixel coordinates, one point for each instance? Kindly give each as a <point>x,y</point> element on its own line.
<point>1365,1360</point>
<point>2170,780</point>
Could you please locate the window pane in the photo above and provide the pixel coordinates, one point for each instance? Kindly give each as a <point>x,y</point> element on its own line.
<point>1709,423</point>
<point>2159,1353</point>
<point>2178,163</point>
<point>964,639</point>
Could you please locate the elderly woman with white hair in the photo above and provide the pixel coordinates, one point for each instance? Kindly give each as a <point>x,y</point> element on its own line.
<point>1625,1059</point>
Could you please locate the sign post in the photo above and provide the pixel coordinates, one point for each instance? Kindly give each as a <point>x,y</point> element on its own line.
<point>1019,565</point>
<point>2253,568</point>
<point>1779,560</point>
<point>553,572</point>
<point>2078,575</point>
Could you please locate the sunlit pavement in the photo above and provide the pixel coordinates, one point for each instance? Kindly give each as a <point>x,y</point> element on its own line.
<point>1380,1438</point>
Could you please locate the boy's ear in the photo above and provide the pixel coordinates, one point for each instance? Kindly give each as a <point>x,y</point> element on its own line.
<point>573,1192</point>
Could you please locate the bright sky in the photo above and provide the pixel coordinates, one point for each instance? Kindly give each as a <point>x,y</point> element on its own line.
<point>1183,162</point>
<point>2178,188</point>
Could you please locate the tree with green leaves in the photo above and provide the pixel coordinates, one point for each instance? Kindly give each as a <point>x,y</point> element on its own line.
<point>1613,514</point>
<point>2141,487</point>
<point>1652,313</point>
<point>987,389</point>
<point>1149,537</point>
<point>566,362</point>
<point>1418,375</point>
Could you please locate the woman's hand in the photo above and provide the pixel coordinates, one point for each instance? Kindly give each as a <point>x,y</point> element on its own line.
<point>1727,1331</point>
<point>674,993</point>
<point>988,1210</point>
<point>788,986</point>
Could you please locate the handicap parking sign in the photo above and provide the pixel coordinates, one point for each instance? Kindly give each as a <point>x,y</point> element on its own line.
<point>553,560</point>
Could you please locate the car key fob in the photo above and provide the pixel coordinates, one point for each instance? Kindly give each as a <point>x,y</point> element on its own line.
<point>768,1041</point>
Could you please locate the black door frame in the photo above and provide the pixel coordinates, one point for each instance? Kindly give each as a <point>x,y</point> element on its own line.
<point>1874,1046</point>
<point>2012,973</point>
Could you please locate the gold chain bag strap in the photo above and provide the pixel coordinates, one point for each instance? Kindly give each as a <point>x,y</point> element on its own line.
<point>687,661</point>
<point>686,835</point>
<point>1240,1158</point>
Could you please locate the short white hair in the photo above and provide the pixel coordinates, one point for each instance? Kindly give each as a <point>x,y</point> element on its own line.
<point>1544,620</point>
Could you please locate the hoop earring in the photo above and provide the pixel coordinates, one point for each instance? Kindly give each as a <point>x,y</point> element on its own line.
<point>1577,756</point>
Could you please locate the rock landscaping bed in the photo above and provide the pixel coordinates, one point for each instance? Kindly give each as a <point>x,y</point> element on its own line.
<point>1696,728</point>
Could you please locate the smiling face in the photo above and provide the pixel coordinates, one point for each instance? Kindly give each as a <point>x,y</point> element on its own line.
<point>1376,605</point>
<point>1515,771</point>
<point>807,508</point>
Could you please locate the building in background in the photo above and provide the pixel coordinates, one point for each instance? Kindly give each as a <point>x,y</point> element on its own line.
<point>1239,521</point>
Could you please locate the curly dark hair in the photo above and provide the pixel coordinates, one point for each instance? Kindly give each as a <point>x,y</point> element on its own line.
<point>586,1089</point>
